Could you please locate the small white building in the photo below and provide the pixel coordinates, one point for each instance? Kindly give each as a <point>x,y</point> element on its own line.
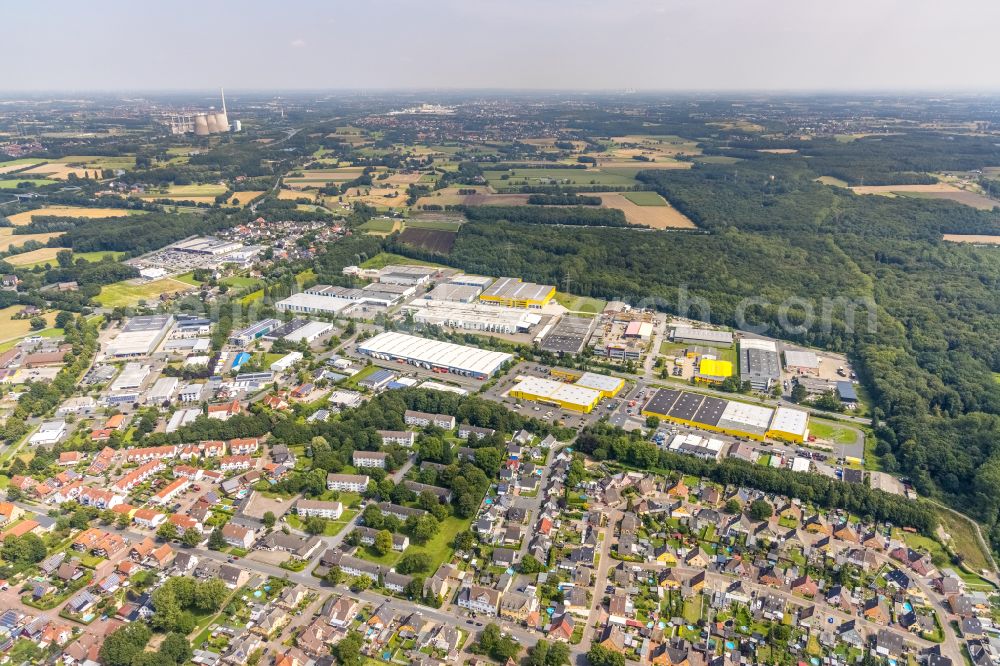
<point>49,433</point>
<point>286,361</point>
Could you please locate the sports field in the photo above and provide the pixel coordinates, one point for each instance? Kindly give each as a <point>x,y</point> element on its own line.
<point>128,293</point>
<point>70,211</point>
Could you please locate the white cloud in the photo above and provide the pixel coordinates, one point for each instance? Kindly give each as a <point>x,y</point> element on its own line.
<point>298,43</point>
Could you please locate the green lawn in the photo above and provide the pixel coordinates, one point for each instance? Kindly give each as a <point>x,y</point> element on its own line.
<point>35,182</point>
<point>125,294</point>
<point>383,259</point>
<point>963,540</point>
<point>646,198</point>
<point>188,278</point>
<point>379,225</point>
<point>580,303</point>
<point>239,281</point>
<point>389,559</point>
<point>439,225</point>
<point>333,527</point>
<point>831,431</point>
<point>440,547</point>
<point>564,177</point>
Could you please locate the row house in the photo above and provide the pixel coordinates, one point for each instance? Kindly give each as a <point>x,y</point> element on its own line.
<point>148,518</point>
<point>99,497</point>
<point>137,476</point>
<point>370,459</point>
<point>150,453</point>
<point>171,490</point>
<point>188,472</point>
<point>424,419</point>
<point>234,463</point>
<point>243,446</point>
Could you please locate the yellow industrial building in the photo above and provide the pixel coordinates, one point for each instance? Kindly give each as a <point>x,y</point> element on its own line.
<point>608,386</point>
<point>713,371</point>
<point>513,293</point>
<point>558,394</point>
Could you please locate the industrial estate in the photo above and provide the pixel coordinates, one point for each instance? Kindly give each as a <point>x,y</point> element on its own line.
<point>316,379</point>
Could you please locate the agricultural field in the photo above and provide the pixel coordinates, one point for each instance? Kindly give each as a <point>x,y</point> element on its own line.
<point>646,199</point>
<point>58,170</point>
<point>70,211</point>
<point>244,198</point>
<point>567,177</point>
<point>100,162</point>
<point>778,151</point>
<point>12,329</point>
<point>12,183</point>
<point>9,240</point>
<point>430,221</point>
<point>86,256</point>
<point>647,152</point>
<point>381,226</point>
<point>128,293</point>
<point>323,177</point>
<point>294,195</point>
<point>448,196</point>
<point>402,179</point>
<point>40,256</point>
<point>653,216</point>
<point>933,191</point>
<point>17,165</point>
<point>204,193</point>
<point>383,259</point>
<point>377,197</point>
<point>831,180</point>
<point>972,238</point>
<point>432,240</point>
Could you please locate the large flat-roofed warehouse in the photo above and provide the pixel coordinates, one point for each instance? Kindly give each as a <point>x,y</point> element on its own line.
<point>568,336</point>
<point>514,293</point>
<point>406,275</point>
<point>140,336</point>
<point>789,424</point>
<point>702,335</point>
<point>311,303</point>
<point>475,317</point>
<point>759,363</point>
<point>801,361</point>
<point>207,245</point>
<point>738,419</point>
<point>607,385</point>
<point>564,396</point>
<point>434,354</point>
<point>453,293</point>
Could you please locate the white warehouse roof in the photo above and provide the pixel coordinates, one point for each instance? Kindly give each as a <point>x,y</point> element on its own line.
<point>558,391</point>
<point>752,417</point>
<point>794,421</point>
<point>801,359</point>
<point>605,383</point>
<point>755,343</point>
<point>303,302</point>
<point>310,331</point>
<point>703,334</point>
<point>434,352</point>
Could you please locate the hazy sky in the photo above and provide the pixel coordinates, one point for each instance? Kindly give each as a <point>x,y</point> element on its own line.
<point>556,44</point>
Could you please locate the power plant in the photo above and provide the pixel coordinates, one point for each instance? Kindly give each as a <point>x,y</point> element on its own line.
<point>202,124</point>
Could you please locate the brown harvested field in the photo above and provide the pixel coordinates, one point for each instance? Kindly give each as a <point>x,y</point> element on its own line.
<point>831,180</point>
<point>655,217</point>
<point>42,254</point>
<point>448,196</point>
<point>403,179</point>
<point>57,170</point>
<point>972,238</point>
<point>292,195</point>
<point>497,199</point>
<point>319,177</point>
<point>69,211</point>
<point>17,166</point>
<point>778,151</point>
<point>432,240</point>
<point>7,242</point>
<point>375,197</point>
<point>932,191</point>
<point>244,197</point>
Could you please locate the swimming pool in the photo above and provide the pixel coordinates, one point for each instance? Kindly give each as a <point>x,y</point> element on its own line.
<point>907,606</point>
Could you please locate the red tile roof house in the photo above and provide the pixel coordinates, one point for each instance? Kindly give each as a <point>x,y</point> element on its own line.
<point>225,411</point>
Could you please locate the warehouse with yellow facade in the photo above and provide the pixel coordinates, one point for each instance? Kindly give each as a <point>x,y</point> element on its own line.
<point>513,293</point>
<point>737,419</point>
<point>558,394</point>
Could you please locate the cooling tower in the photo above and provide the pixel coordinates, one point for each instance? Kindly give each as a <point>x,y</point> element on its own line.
<point>201,125</point>
<point>222,122</point>
<point>213,126</point>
